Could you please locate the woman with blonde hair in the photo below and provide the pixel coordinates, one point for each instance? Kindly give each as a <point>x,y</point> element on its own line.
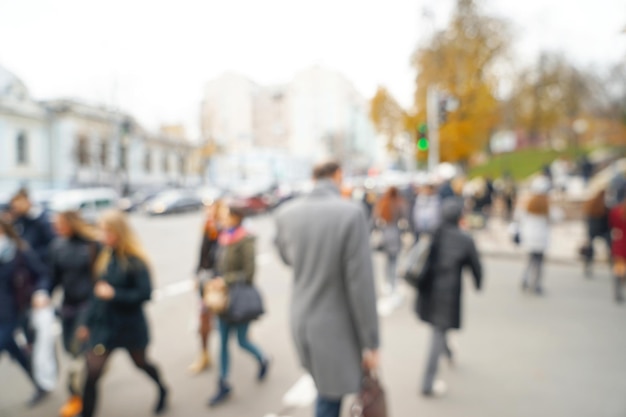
<point>72,257</point>
<point>535,232</point>
<point>115,318</point>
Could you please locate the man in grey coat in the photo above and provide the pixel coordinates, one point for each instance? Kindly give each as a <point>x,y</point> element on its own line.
<point>439,303</point>
<point>333,311</point>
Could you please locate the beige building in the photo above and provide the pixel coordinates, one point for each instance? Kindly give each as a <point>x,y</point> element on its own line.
<point>318,114</point>
<point>227,112</point>
<point>271,118</point>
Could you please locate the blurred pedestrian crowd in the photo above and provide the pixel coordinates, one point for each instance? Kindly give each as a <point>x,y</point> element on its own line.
<point>326,236</point>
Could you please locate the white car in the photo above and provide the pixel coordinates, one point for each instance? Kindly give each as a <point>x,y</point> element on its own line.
<point>90,202</point>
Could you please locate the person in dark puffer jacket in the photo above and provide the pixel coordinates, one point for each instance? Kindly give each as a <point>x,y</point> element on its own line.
<point>32,225</point>
<point>72,258</point>
<point>14,255</point>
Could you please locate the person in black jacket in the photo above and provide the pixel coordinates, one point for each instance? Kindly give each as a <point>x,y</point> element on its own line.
<point>72,257</point>
<point>16,258</point>
<point>32,225</point>
<point>34,228</point>
<point>115,318</point>
<point>204,272</point>
<point>440,304</point>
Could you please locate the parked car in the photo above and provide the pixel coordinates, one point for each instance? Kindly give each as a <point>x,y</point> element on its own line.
<point>169,202</point>
<point>138,199</point>
<point>90,202</point>
<point>253,200</point>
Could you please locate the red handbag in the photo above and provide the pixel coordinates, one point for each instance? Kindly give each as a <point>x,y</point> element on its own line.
<point>371,401</point>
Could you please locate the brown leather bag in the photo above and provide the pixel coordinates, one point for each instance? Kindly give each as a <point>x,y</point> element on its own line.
<point>215,297</point>
<point>371,401</point>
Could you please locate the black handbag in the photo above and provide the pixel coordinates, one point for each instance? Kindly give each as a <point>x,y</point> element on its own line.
<point>244,303</point>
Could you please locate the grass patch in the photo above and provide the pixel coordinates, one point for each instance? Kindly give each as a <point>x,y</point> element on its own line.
<point>521,164</point>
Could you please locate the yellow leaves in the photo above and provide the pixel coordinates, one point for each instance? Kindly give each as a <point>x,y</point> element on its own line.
<point>459,62</point>
<point>387,115</point>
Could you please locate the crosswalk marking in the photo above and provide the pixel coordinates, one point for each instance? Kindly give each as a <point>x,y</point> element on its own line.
<point>183,287</point>
<point>302,394</point>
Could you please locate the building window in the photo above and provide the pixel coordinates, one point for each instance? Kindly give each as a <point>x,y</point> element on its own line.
<point>147,162</point>
<point>166,163</point>
<point>123,157</point>
<point>104,153</point>
<point>22,148</point>
<point>181,165</point>
<point>82,151</point>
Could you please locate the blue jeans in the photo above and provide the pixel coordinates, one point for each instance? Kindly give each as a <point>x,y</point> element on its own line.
<point>326,407</point>
<point>392,271</point>
<point>242,337</point>
<point>7,342</point>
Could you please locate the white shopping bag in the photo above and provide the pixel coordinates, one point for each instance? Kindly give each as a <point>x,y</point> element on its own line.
<point>44,359</point>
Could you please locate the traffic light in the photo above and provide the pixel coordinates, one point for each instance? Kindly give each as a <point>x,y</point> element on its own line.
<point>443,111</point>
<point>422,137</point>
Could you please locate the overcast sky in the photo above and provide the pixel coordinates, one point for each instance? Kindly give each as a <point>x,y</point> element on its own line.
<point>153,57</point>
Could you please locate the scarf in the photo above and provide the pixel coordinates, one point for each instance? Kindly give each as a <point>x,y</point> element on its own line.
<point>232,236</point>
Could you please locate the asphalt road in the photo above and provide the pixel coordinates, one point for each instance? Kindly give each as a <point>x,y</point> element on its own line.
<point>518,355</point>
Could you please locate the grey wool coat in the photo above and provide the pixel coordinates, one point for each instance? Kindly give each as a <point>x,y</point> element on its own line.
<point>333,311</point>
<point>441,304</point>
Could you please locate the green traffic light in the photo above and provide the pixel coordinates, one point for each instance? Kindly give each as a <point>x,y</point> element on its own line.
<point>422,144</point>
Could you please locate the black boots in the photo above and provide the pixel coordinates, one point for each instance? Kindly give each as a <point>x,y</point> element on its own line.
<point>162,402</point>
<point>264,368</point>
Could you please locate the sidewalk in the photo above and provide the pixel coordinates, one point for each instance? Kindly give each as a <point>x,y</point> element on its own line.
<point>566,239</point>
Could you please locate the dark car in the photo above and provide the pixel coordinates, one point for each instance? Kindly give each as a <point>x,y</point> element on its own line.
<point>170,202</point>
<point>138,199</point>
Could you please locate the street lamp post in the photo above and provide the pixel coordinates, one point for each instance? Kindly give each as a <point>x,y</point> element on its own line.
<point>432,114</point>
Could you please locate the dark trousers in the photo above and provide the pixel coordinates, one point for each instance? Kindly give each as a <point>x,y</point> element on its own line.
<point>76,350</point>
<point>326,407</point>
<point>24,325</point>
<point>590,253</point>
<point>535,268</point>
<point>619,288</point>
<point>438,347</point>
<point>7,342</point>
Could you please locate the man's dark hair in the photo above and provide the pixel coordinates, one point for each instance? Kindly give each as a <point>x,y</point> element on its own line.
<point>325,170</point>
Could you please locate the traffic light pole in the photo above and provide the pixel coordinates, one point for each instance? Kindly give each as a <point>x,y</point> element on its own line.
<point>432,114</point>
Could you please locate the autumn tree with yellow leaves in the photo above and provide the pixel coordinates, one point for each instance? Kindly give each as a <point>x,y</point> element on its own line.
<point>388,116</point>
<point>549,95</point>
<point>460,61</point>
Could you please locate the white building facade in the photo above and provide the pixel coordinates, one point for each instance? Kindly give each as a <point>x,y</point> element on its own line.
<point>64,144</point>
